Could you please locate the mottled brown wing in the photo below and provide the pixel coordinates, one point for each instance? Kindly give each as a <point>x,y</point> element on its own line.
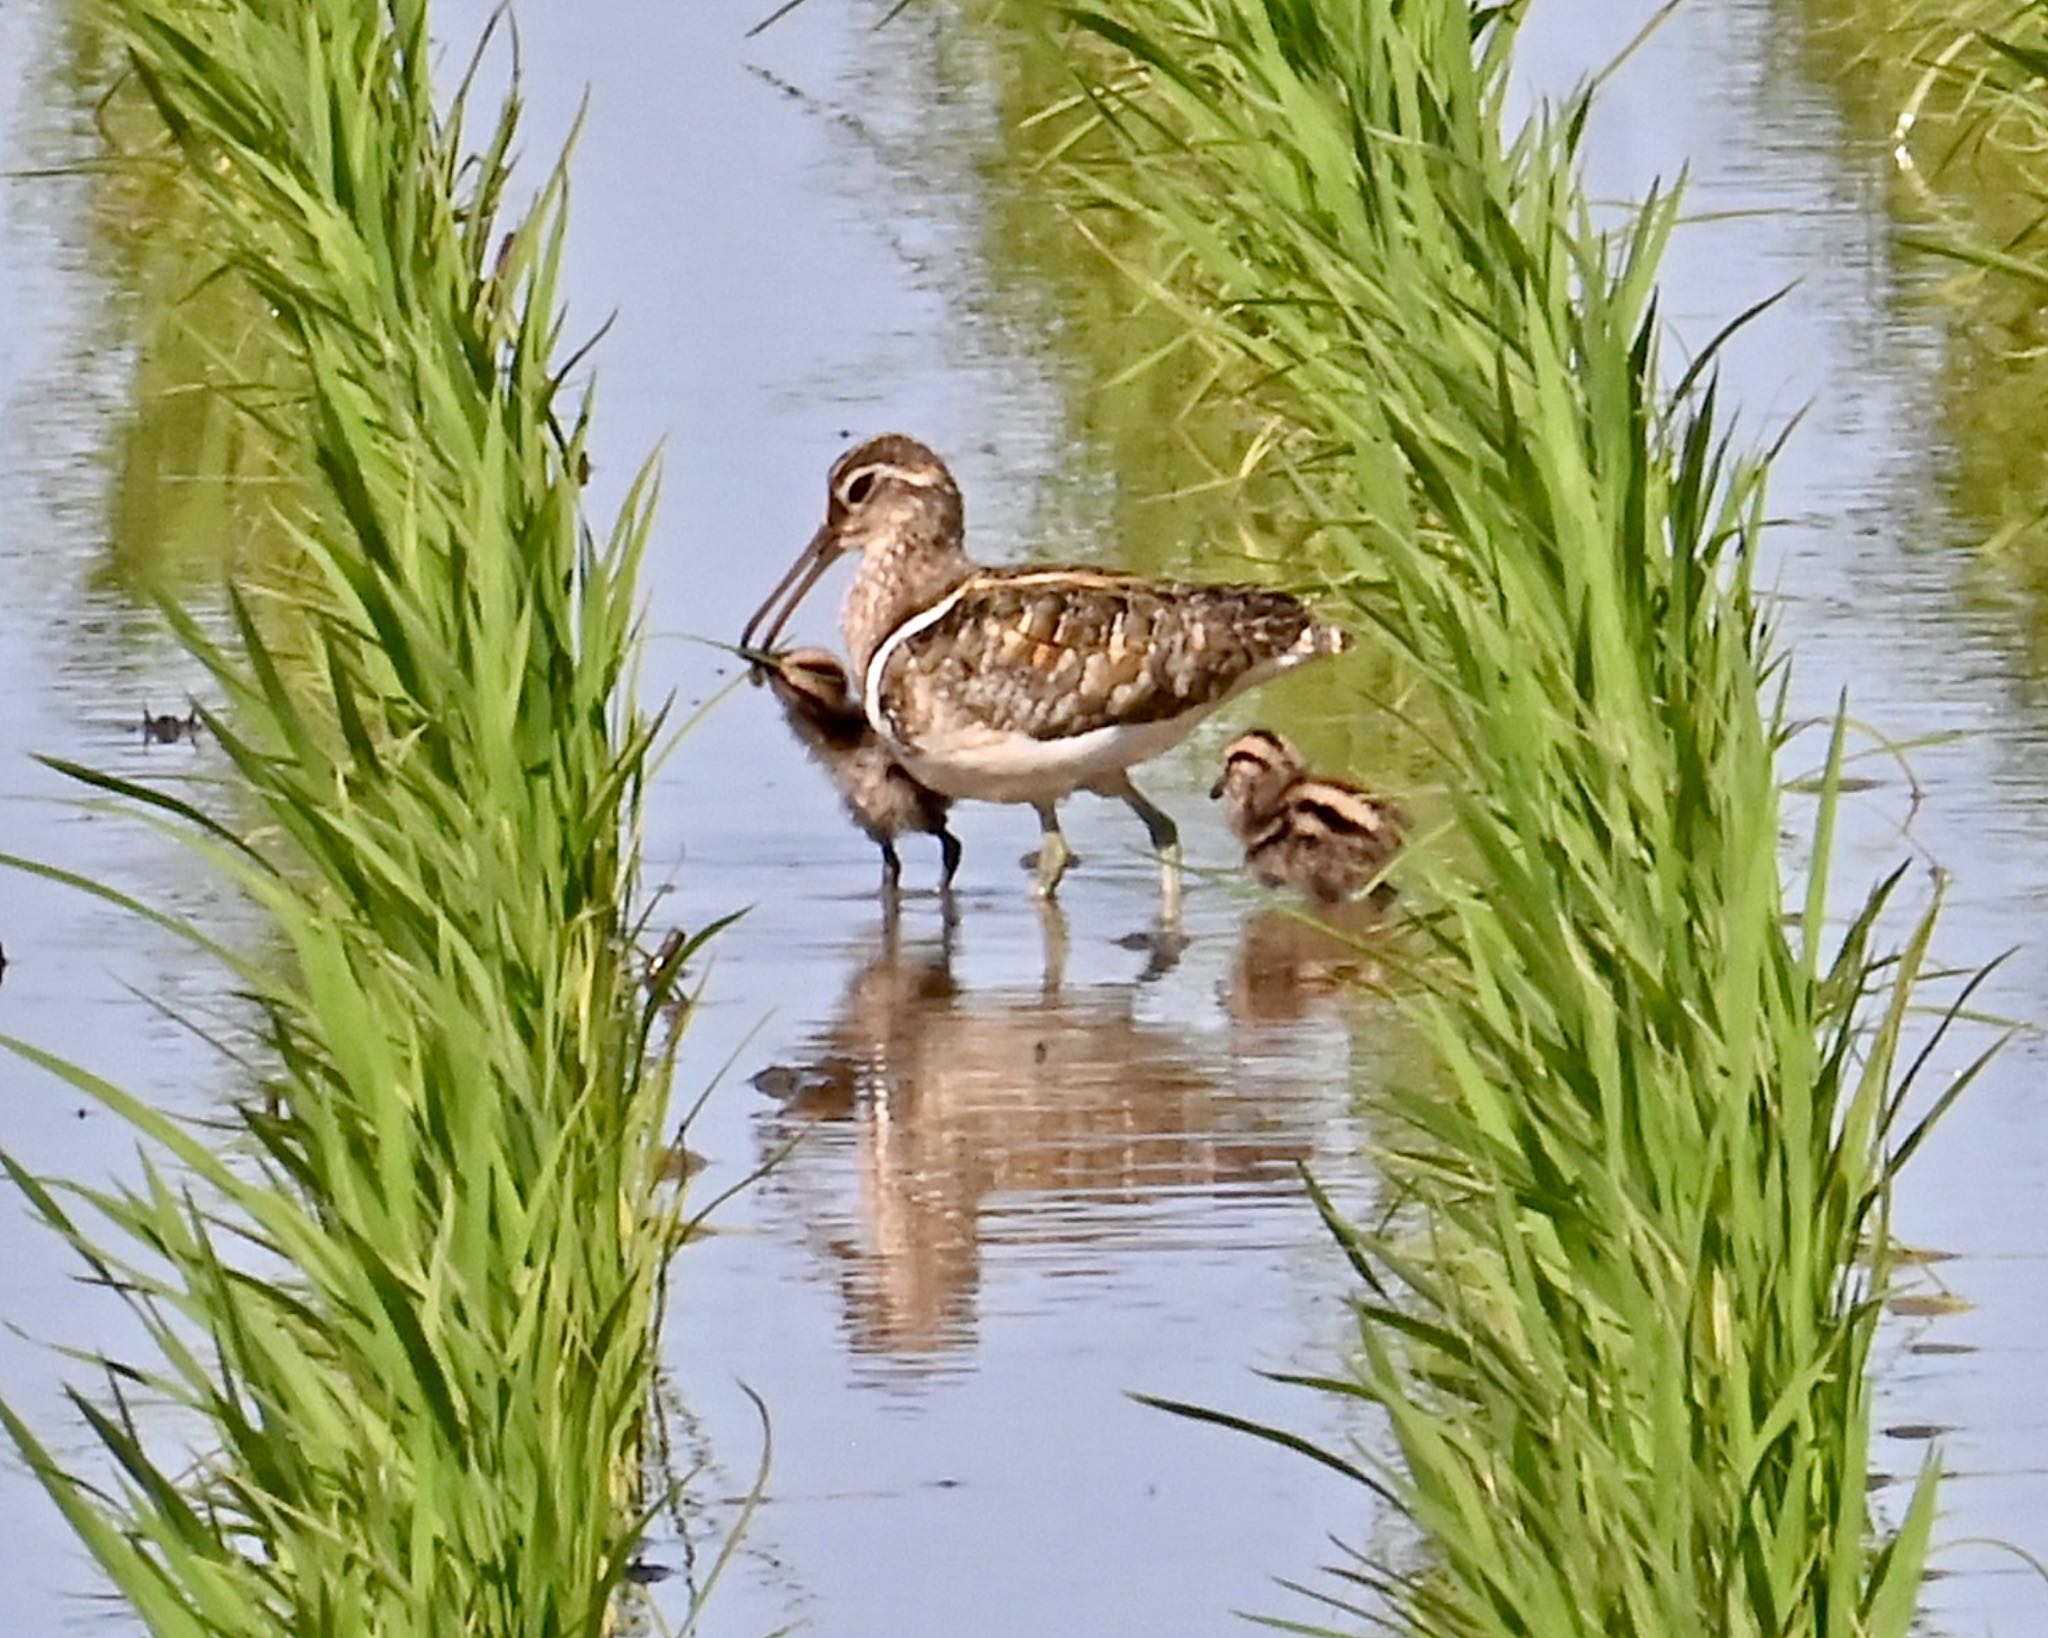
<point>1052,653</point>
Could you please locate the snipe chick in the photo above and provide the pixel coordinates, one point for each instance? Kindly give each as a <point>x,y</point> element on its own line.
<point>880,797</point>
<point>1321,837</point>
<point>1027,684</point>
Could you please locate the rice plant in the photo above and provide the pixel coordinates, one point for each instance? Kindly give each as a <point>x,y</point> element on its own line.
<point>1619,1335</point>
<point>402,1308</point>
<point>1952,101</point>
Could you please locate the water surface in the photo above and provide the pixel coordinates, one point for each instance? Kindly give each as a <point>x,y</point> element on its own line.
<point>1882,593</point>
<point>1022,1165</point>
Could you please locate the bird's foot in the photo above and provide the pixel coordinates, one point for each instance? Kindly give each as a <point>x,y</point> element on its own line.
<point>1051,861</point>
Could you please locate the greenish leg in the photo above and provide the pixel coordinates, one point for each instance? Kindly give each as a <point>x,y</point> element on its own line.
<point>1053,853</point>
<point>1165,836</point>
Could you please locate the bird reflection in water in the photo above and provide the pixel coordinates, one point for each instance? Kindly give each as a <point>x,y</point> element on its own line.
<point>1292,962</point>
<point>1045,1117</point>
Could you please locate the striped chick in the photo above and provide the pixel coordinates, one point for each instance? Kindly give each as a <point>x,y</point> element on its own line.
<point>1320,837</point>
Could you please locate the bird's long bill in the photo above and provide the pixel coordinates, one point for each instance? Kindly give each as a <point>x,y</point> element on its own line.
<point>792,588</point>
<point>1216,790</point>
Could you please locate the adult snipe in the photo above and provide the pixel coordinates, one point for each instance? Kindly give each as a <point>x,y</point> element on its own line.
<point>1027,684</point>
<point>882,799</point>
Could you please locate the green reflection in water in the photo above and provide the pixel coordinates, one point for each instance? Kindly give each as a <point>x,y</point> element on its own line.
<point>1974,172</point>
<point>200,485</point>
<point>208,461</point>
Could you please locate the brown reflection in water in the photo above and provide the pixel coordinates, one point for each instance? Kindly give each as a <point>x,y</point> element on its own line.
<point>1289,962</point>
<point>1048,1110</point>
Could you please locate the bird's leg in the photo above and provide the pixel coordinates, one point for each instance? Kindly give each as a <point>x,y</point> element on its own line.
<point>1052,924</point>
<point>1053,853</point>
<point>949,855</point>
<point>1165,836</point>
<point>892,869</point>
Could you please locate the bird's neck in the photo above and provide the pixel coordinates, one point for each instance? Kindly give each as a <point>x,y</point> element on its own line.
<point>898,578</point>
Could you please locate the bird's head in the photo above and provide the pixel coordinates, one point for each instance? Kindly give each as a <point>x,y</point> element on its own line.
<point>888,490</point>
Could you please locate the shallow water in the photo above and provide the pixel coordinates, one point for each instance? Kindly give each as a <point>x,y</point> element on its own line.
<point>1881,594</point>
<point>1033,1168</point>
<point>80,659</point>
<point>1023,1167</point>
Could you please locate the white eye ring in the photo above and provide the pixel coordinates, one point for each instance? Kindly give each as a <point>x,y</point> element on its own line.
<point>859,485</point>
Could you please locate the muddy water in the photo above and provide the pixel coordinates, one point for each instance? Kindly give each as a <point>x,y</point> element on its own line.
<point>1022,1166</point>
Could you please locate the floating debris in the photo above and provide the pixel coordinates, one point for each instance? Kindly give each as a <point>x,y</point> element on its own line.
<point>1902,1255</point>
<point>1164,945</point>
<point>826,1090</point>
<point>664,976</point>
<point>660,967</point>
<point>1929,1304</point>
<point>680,1163</point>
<point>170,729</point>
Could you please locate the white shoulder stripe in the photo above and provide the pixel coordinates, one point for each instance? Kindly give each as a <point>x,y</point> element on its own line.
<point>871,680</point>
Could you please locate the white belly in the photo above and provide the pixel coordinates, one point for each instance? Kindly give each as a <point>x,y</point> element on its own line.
<point>992,766</point>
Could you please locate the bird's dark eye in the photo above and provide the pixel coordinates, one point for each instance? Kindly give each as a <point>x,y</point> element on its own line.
<point>860,486</point>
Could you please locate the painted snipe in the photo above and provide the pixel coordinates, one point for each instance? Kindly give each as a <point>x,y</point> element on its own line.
<point>1321,837</point>
<point>1027,684</point>
<point>881,798</point>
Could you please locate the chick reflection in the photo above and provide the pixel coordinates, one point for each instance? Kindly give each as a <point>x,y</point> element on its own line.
<point>1289,962</point>
<point>1035,1116</point>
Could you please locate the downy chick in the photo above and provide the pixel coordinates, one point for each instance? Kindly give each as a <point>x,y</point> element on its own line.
<point>1320,837</point>
<point>882,799</point>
